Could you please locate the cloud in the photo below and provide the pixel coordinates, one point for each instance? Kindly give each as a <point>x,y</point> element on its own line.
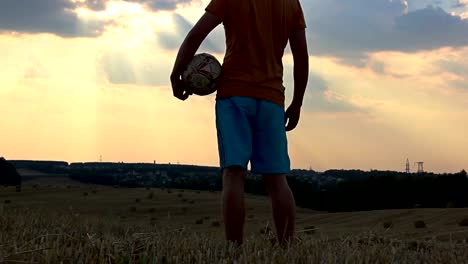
<point>458,67</point>
<point>117,68</point>
<point>164,4</point>
<point>96,5</point>
<point>454,67</point>
<point>173,40</point>
<point>460,4</point>
<point>154,5</point>
<point>430,28</point>
<point>35,69</point>
<point>99,5</point>
<point>319,98</point>
<point>351,29</point>
<point>46,16</point>
<point>123,67</point>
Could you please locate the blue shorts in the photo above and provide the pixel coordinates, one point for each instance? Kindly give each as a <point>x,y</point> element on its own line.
<point>252,130</point>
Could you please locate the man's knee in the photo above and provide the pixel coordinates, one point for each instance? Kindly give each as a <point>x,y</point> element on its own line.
<point>275,183</point>
<point>234,171</point>
<point>233,178</point>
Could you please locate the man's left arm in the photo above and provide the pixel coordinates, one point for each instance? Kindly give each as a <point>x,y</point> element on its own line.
<point>187,50</point>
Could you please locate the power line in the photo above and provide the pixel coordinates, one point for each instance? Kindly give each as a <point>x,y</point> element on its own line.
<point>420,166</point>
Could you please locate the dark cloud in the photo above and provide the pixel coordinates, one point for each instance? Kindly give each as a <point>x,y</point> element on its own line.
<point>57,17</point>
<point>421,4</point>
<point>459,4</point>
<point>351,29</point>
<point>430,28</point>
<point>45,16</point>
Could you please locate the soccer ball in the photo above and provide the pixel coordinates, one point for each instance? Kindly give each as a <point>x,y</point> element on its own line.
<point>202,73</point>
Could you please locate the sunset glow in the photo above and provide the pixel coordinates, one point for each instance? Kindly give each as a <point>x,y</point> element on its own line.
<point>94,80</point>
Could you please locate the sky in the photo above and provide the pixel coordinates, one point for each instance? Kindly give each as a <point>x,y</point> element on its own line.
<point>84,79</point>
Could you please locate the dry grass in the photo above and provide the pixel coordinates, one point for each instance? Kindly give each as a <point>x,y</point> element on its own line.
<point>35,237</point>
<point>388,224</point>
<point>53,225</point>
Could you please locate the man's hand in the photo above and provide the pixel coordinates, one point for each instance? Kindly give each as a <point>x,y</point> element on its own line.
<point>179,89</point>
<point>292,116</point>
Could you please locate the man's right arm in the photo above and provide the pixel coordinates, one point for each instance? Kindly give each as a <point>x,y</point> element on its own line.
<point>298,44</point>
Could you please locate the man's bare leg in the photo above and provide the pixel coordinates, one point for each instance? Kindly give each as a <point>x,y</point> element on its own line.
<point>233,203</point>
<point>283,206</point>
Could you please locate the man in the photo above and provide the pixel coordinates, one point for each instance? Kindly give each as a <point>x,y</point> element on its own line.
<point>250,117</point>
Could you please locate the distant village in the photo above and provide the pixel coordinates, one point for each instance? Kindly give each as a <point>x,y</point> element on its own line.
<point>154,174</point>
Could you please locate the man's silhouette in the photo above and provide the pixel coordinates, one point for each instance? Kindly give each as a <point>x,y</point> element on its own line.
<point>250,118</point>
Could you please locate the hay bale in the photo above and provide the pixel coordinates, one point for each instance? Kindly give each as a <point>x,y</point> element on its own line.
<point>419,224</point>
<point>150,195</point>
<point>463,222</point>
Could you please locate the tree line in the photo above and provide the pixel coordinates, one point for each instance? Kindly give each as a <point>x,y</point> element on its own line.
<point>332,190</point>
<point>349,190</point>
<point>9,176</point>
<point>385,190</point>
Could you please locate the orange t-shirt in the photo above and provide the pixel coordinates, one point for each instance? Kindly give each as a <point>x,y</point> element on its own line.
<point>257,32</point>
